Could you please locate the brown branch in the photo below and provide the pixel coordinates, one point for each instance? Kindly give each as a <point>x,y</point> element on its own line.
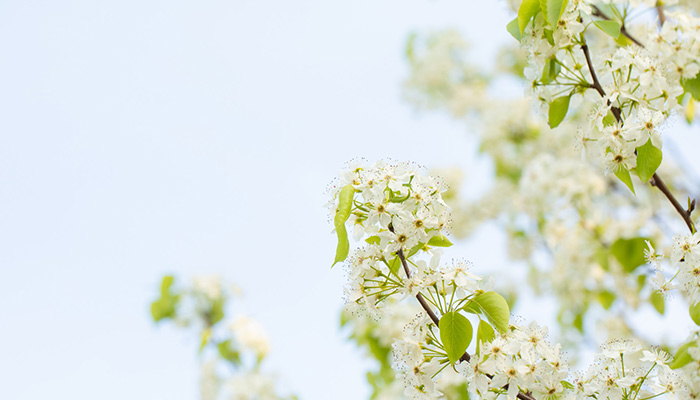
<point>659,183</point>
<point>656,179</point>
<point>419,296</point>
<point>660,11</point>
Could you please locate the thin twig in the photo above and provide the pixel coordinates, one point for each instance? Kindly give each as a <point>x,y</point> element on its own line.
<point>419,296</point>
<point>660,11</point>
<point>656,179</point>
<point>659,183</point>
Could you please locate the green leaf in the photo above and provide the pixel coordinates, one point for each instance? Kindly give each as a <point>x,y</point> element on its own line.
<point>206,334</point>
<point>165,306</point>
<point>578,322</point>
<point>624,175</point>
<point>494,307</point>
<point>341,215</point>
<point>606,299</point>
<point>551,70</point>
<point>692,86</point>
<point>373,240</point>
<point>607,9</point>
<point>439,241</point>
<point>484,333</point>
<point>410,45</point>
<point>648,160</point>
<point>394,264</point>
<point>690,111</point>
<point>695,313</point>
<point>455,334</point>
<point>513,29</point>
<point>162,308</point>
<point>610,27</point>
<point>528,9</point>
<point>682,356</point>
<point>657,300</point>
<point>165,285</point>
<point>567,385</point>
<point>552,10</point>
<point>630,252</point>
<point>557,110</point>
<point>216,313</point>
<point>472,307</point>
<point>227,353</point>
<point>343,248</point>
<point>609,119</point>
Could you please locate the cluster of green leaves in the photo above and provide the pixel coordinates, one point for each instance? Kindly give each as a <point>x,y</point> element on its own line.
<point>210,311</point>
<point>456,332</point>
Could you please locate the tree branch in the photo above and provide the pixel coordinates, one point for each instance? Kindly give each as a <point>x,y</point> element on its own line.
<point>659,183</point>
<point>656,179</point>
<point>436,320</point>
<point>660,11</point>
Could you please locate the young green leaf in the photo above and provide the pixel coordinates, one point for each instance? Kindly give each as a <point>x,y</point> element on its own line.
<point>216,313</point>
<point>341,215</point>
<point>165,306</point>
<point>344,205</point>
<point>557,110</point>
<point>609,119</point>
<point>484,333</point>
<point>606,299</point>
<point>552,10</point>
<point>494,307</point>
<point>514,30</point>
<point>343,248</point>
<point>692,86</point>
<point>439,241</point>
<point>165,285</point>
<point>206,334</point>
<point>578,321</point>
<point>373,240</point>
<point>455,334</point>
<point>682,356</point>
<point>624,175</point>
<point>695,313</point>
<point>630,252</point>
<point>690,111</point>
<point>528,9</point>
<point>394,264</point>
<point>610,27</point>
<point>648,160</point>
<point>657,300</point>
<point>550,71</point>
<point>227,353</point>
<point>471,307</point>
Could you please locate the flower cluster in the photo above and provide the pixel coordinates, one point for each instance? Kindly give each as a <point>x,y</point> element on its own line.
<point>631,90</point>
<point>680,270</point>
<point>511,360</point>
<point>231,352</point>
<point>396,209</point>
<point>518,360</point>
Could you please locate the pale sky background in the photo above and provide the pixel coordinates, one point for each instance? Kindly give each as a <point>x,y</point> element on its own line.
<point>139,138</point>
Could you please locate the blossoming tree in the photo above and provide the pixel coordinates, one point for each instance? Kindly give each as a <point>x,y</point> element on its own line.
<point>580,189</point>
<point>580,180</point>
